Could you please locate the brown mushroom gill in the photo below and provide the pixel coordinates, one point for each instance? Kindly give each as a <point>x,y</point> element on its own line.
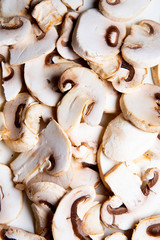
<point>130,69</point>
<point>157,97</point>
<point>94,167</point>
<point>18,115</point>
<point>9,76</point>
<point>3,235</point>
<point>76,221</point>
<point>117,211</point>
<point>150,29</point>
<point>109,33</point>
<point>113,2</point>
<point>1,195</point>
<point>9,26</point>
<point>153,230</point>
<point>150,184</point>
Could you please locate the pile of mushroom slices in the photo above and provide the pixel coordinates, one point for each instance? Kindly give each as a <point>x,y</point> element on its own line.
<point>80,120</point>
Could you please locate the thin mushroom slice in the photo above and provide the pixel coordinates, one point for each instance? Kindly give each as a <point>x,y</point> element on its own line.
<point>142,107</point>
<point>154,152</point>
<point>2,125</point>
<point>116,236</point>
<point>74,4</point>
<point>14,7</point>
<point>118,10</point>
<point>112,98</point>
<point>156,74</point>
<point>11,200</point>
<point>106,36</point>
<point>86,98</point>
<point>141,48</point>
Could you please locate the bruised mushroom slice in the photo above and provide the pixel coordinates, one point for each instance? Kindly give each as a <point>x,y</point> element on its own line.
<point>49,13</point>
<point>52,154</point>
<point>74,4</point>
<point>14,7</point>
<point>116,236</point>
<point>85,99</point>
<point>141,48</point>
<point>45,79</point>
<point>64,42</point>
<point>106,36</point>
<point>67,224</point>
<point>142,107</point>
<point>118,10</point>
<point>10,198</point>
<point>156,74</point>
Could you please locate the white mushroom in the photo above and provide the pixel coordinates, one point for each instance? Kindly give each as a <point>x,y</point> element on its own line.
<point>119,10</point>
<point>14,7</point>
<point>2,125</point>
<point>116,236</point>
<point>96,37</point>
<point>154,152</point>
<point>142,107</point>
<point>156,74</point>
<point>74,4</point>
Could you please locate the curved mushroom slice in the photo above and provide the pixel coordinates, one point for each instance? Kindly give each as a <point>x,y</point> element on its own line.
<point>126,139</point>
<point>14,7</point>
<point>45,79</point>
<point>118,10</point>
<point>34,45</point>
<point>74,4</point>
<point>67,223</point>
<point>52,154</point>
<point>10,198</point>
<point>8,232</point>
<point>154,152</point>
<point>142,107</point>
<point>116,236</point>
<point>106,36</point>
<point>112,99</point>
<point>141,48</point>
<point>49,13</point>
<point>156,74</point>
<point>64,42</point>
<point>86,98</point>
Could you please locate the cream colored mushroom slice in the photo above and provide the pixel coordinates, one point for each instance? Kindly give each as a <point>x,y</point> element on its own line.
<point>84,152</point>
<point>67,222</point>
<point>52,153</point>
<point>46,79</point>
<point>74,4</point>
<point>141,43</point>
<point>86,98</point>
<point>14,7</point>
<point>128,140</point>
<point>8,232</point>
<point>34,45</point>
<point>156,74</point>
<point>11,199</point>
<point>64,42</point>
<point>2,125</point>
<point>142,107</point>
<point>118,10</point>
<point>148,228</point>
<point>116,236</point>
<point>106,36</point>
<point>49,13</point>
<point>112,98</point>
<point>154,152</point>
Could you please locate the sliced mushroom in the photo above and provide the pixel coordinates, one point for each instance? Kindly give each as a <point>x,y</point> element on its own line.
<point>84,151</point>
<point>14,7</point>
<point>2,125</point>
<point>10,198</point>
<point>74,4</point>
<point>156,74</point>
<point>118,10</point>
<point>86,98</point>
<point>49,13</point>
<point>116,236</point>
<point>141,48</point>
<point>142,107</point>
<point>154,152</point>
<point>96,37</point>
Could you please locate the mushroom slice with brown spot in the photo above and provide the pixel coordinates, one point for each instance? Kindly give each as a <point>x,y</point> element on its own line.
<point>86,98</point>
<point>14,7</point>
<point>116,236</point>
<point>74,4</point>
<point>64,42</point>
<point>154,152</point>
<point>11,200</point>
<point>142,107</point>
<point>49,13</point>
<point>118,10</point>
<point>45,79</point>
<point>105,34</point>
<point>156,74</point>
<point>141,48</point>
<point>67,222</point>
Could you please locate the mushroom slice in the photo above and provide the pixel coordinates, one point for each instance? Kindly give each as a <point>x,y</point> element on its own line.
<point>112,98</point>
<point>34,45</point>
<point>67,223</point>
<point>52,153</point>
<point>49,13</point>
<point>141,43</point>
<point>17,29</point>
<point>2,125</point>
<point>106,36</point>
<point>64,42</point>
<point>126,139</point>
<point>118,10</point>
<point>45,79</point>
<point>74,4</point>
<point>10,198</point>
<point>142,107</point>
<point>156,74</point>
<point>154,152</point>
<point>116,236</point>
<point>14,7</point>
<point>8,232</point>
<point>86,98</point>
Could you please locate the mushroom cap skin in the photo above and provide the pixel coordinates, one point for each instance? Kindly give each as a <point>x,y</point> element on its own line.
<point>74,4</point>
<point>11,199</point>
<point>116,236</point>
<point>142,107</point>
<point>141,48</point>
<point>156,74</point>
<point>106,36</point>
<point>122,10</point>
<point>85,99</point>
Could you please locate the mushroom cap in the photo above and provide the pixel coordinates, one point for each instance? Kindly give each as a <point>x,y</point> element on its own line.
<point>142,107</point>
<point>156,74</point>
<point>142,48</point>
<point>119,10</point>
<point>106,36</point>
<point>74,4</point>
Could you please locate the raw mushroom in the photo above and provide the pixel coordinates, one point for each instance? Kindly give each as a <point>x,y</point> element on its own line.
<point>141,48</point>
<point>154,152</point>
<point>116,236</point>
<point>142,107</point>
<point>2,125</point>
<point>64,42</point>
<point>11,200</point>
<point>156,74</point>
<point>85,99</point>
<point>96,37</point>
<point>14,7</point>
<point>74,4</point>
<point>122,10</point>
